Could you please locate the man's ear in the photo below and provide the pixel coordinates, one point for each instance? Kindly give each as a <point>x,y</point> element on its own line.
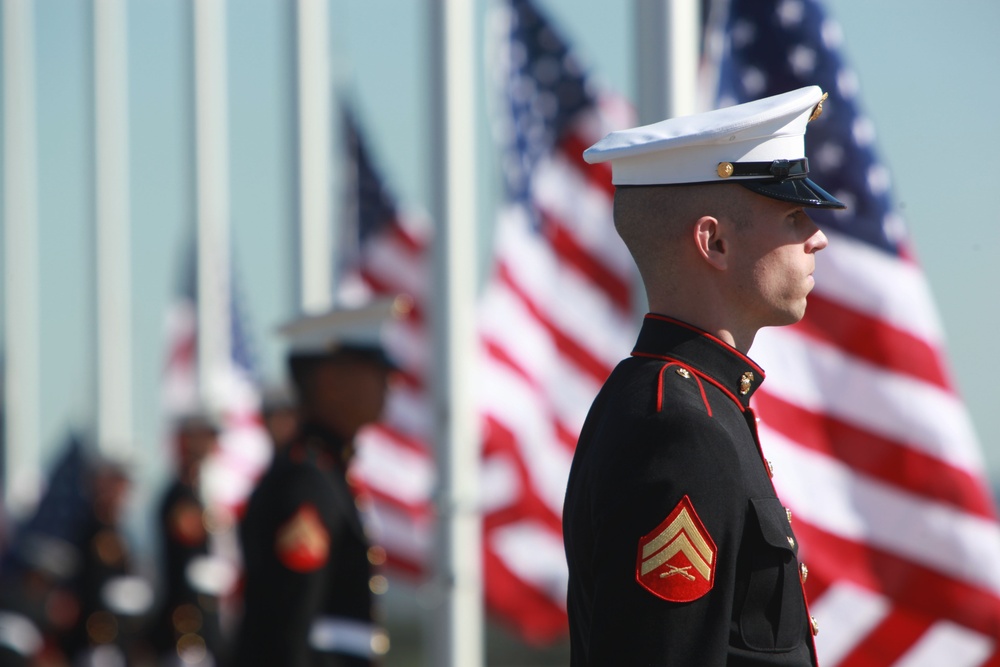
<point>709,242</point>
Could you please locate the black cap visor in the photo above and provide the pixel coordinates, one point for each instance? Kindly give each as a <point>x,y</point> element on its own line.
<point>796,190</point>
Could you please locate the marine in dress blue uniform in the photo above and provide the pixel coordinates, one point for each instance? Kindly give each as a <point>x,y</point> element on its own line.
<point>679,551</point>
<point>308,560</point>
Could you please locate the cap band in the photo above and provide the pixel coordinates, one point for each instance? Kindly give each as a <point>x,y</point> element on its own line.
<point>777,169</point>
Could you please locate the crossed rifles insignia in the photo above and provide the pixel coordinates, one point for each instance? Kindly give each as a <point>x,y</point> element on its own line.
<point>676,561</point>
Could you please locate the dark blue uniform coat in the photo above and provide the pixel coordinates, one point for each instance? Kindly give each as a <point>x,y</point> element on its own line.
<point>306,560</point>
<point>671,433</point>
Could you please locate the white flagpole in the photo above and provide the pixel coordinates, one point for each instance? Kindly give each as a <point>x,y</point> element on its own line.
<point>319,152</point>
<point>20,203</point>
<point>212,157</point>
<point>114,317</point>
<point>669,32</point>
<point>453,140</point>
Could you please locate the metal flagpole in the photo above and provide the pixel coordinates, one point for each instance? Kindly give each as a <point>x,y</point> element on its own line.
<point>669,34</point>
<point>459,565</point>
<point>212,157</point>
<point>319,150</point>
<point>114,318</point>
<point>20,207</point>
<point>667,38</point>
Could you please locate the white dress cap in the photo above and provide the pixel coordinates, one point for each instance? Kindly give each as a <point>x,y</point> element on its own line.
<point>343,328</point>
<point>763,140</point>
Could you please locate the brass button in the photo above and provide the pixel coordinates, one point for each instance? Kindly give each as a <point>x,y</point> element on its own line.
<point>791,542</point>
<point>684,373</point>
<point>725,169</point>
<point>788,513</point>
<point>814,625</point>
<point>770,469</point>
<point>803,572</point>
<point>378,584</point>
<point>376,555</point>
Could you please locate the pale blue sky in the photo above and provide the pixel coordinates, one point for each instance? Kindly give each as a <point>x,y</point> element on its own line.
<point>928,77</point>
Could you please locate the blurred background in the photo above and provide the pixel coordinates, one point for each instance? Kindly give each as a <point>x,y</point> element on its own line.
<point>926,75</point>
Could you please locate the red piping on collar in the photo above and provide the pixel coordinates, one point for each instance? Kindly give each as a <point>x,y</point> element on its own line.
<point>705,334</point>
<point>659,386</point>
<point>698,373</point>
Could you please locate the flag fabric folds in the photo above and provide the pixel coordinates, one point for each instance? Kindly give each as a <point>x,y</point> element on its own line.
<point>557,313</point>
<point>872,447</point>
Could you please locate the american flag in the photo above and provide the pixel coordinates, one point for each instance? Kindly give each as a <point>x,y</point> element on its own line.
<point>872,447</point>
<point>557,314</point>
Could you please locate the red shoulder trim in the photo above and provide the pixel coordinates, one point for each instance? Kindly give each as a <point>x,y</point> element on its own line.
<point>691,373</point>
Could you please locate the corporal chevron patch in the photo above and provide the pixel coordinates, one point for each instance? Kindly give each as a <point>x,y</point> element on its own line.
<point>676,560</point>
<point>303,542</point>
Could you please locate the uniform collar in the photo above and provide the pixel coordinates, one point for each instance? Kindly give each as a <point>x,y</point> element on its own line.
<point>662,337</point>
<point>320,445</point>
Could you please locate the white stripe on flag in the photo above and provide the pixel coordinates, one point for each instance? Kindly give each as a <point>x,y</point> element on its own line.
<point>873,282</point>
<point>559,383</point>
<point>398,266</point>
<point>393,469</point>
<point>822,378</point>
<point>563,191</point>
<point>830,495</point>
<point>515,404</point>
<point>948,644</point>
<point>600,329</point>
<point>535,554</point>
<point>399,534</point>
<point>846,614</point>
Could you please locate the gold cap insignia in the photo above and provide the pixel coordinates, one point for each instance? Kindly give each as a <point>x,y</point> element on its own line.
<point>746,382</point>
<point>303,542</point>
<point>725,169</point>
<point>818,110</point>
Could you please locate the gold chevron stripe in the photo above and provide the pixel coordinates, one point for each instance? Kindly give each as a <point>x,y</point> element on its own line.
<point>682,524</point>
<point>681,544</point>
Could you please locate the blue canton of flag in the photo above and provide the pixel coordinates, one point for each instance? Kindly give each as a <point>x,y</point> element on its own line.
<point>545,90</point>
<point>775,47</point>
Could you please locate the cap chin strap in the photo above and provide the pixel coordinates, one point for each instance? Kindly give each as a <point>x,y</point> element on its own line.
<point>777,169</point>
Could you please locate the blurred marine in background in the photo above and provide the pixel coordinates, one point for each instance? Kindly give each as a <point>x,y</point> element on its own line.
<point>186,630</point>
<point>308,597</point>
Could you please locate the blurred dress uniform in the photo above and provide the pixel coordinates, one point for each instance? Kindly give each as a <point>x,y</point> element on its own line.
<point>187,629</point>
<point>112,600</point>
<point>308,561</point>
<point>679,551</point>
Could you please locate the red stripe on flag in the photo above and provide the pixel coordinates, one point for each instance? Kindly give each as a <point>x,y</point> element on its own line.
<point>571,350</point>
<point>908,584</point>
<point>890,462</point>
<point>399,233</point>
<point>889,640</point>
<point>573,254</point>
<point>598,175</point>
<point>499,440</point>
<point>520,605</point>
<point>566,436</point>
<point>873,340</point>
